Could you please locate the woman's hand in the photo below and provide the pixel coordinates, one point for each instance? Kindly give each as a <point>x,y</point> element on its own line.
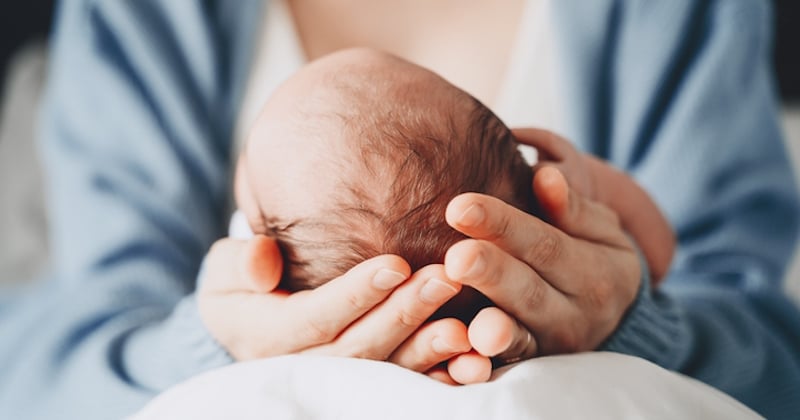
<point>558,288</point>
<point>596,180</point>
<point>374,311</point>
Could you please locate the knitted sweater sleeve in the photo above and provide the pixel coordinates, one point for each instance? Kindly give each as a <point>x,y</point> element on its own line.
<point>692,115</point>
<point>135,139</point>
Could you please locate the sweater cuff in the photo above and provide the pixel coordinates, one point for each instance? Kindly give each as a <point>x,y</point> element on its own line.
<point>654,328</point>
<point>206,352</point>
<point>174,350</point>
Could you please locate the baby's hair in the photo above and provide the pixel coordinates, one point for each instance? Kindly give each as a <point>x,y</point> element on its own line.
<point>407,157</point>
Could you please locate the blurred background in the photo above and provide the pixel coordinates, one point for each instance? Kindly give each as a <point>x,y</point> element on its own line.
<point>23,61</point>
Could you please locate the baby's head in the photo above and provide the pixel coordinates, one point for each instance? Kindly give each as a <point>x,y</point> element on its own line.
<point>359,153</point>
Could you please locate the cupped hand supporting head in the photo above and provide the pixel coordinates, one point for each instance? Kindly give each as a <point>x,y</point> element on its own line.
<point>376,310</point>
<point>558,288</point>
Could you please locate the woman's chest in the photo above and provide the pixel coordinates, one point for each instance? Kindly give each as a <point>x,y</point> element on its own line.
<point>468,43</point>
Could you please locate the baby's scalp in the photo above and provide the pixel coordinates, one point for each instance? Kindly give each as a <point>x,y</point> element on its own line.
<point>366,150</point>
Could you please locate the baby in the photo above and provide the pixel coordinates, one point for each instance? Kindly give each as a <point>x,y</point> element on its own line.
<point>359,153</point>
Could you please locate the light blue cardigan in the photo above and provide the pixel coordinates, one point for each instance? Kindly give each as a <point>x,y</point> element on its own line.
<point>136,135</point>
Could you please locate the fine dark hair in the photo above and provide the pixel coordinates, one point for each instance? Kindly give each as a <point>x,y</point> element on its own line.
<point>406,159</point>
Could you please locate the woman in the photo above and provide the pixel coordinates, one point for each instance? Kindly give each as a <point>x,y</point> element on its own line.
<point>140,117</point>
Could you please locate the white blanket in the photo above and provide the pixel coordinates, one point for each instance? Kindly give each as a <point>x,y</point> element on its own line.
<point>582,386</point>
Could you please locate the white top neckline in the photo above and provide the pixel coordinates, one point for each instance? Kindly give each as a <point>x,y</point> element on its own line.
<point>277,55</point>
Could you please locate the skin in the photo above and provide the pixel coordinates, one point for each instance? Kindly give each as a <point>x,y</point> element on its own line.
<point>559,288</point>
<point>504,334</point>
<point>467,43</point>
<point>598,181</point>
<point>237,299</point>
<point>245,313</point>
<point>283,157</point>
<point>338,318</point>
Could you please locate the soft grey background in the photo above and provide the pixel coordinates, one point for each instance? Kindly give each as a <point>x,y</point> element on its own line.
<point>791,123</point>
<point>23,245</point>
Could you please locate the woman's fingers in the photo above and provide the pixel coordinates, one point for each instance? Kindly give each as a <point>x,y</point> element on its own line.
<point>368,312</point>
<point>377,334</point>
<point>242,313</point>
<point>541,276</point>
<point>463,369</point>
<point>505,280</point>
<point>440,374</point>
<point>573,213</point>
<point>329,309</point>
<point>243,266</point>
<point>432,344</point>
<point>558,152</point>
<point>549,145</point>
<point>492,332</point>
<point>234,294</point>
<point>495,334</point>
<point>527,238</point>
<point>554,255</point>
<point>262,263</point>
<point>469,368</point>
<point>482,216</point>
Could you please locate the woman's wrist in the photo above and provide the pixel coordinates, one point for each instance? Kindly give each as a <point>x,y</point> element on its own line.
<point>652,328</point>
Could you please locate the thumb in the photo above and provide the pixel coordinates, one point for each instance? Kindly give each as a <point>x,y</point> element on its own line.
<point>262,263</point>
<point>574,214</point>
<point>234,265</point>
<point>552,192</point>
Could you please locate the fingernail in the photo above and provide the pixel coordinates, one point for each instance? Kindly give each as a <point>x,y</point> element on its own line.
<point>473,215</point>
<point>436,291</point>
<point>478,266</point>
<point>386,279</point>
<point>441,346</point>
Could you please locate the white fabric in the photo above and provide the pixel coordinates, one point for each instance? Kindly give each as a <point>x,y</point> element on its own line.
<point>278,54</point>
<point>582,386</point>
<point>238,227</point>
<point>23,223</point>
<point>529,95</point>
